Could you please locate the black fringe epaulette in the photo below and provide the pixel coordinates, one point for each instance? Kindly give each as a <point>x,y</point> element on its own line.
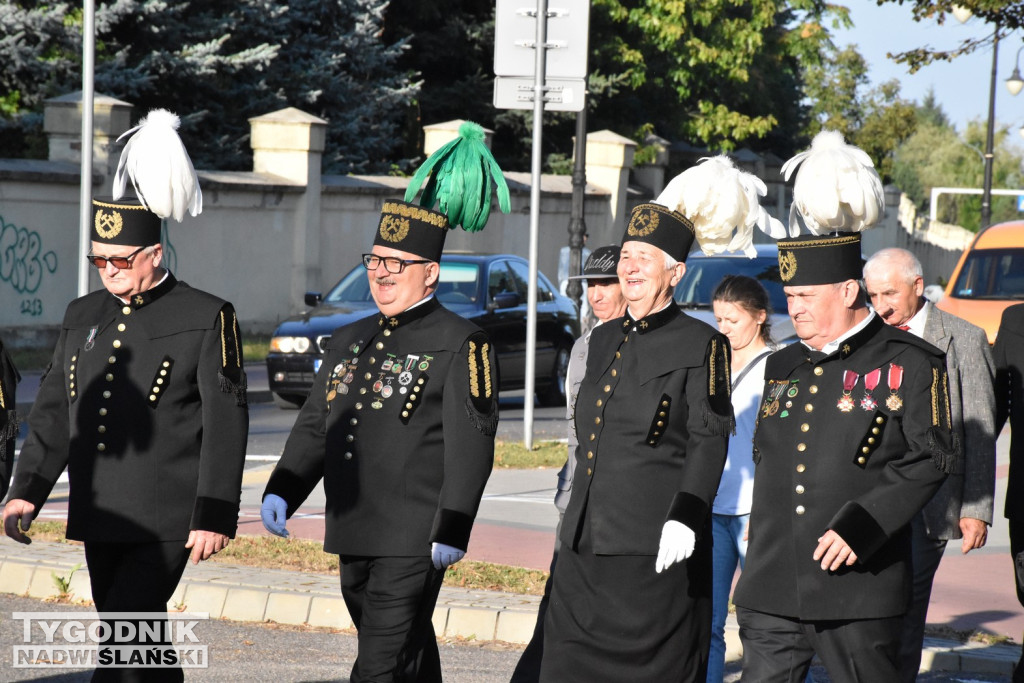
<point>722,425</point>
<point>239,389</point>
<point>486,424</point>
<point>8,432</point>
<point>946,450</point>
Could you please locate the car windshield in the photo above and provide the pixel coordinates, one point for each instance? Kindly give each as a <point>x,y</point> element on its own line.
<point>353,287</point>
<point>704,273</point>
<point>991,274</point>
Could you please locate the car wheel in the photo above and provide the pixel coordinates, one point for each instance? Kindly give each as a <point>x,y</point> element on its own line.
<point>289,401</point>
<point>555,393</point>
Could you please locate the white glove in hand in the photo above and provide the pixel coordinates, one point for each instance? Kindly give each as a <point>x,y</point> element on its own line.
<point>274,513</point>
<point>677,542</point>
<point>444,556</point>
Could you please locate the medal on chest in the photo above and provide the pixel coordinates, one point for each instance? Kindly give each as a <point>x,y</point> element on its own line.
<point>894,402</point>
<point>771,402</point>
<point>869,403</point>
<point>846,402</point>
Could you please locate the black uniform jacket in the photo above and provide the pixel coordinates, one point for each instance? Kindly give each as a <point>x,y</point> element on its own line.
<point>144,403</point>
<point>862,472</point>
<point>9,378</point>
<point>400,425</point>
<point>653,417</point>
<point>1009,358</point>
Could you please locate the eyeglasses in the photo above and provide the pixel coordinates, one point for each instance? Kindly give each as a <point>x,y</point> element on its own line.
<point>392,264</point>
<point>119,262</point>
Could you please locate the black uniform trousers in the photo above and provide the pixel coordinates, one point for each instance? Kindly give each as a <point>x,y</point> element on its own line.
<point>391,601</point>
<point>1016,527</point>
<point>779,649</point>
<point>135,577</point>
<point>926,553</point>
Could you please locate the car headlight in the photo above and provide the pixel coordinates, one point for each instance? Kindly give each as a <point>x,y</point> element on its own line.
<point>289,344</point>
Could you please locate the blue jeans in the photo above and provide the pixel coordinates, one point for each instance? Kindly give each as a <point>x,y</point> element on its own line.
<point>729,550</point>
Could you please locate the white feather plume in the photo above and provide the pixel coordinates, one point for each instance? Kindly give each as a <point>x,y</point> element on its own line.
<point>718,198</point>
<point>837,188</point>
<point>159,167</point>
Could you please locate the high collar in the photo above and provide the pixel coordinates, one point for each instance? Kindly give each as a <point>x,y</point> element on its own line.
<point>651,322</point>
<point>141,299</point>
<point>850,345</point>
<point>408,315</point>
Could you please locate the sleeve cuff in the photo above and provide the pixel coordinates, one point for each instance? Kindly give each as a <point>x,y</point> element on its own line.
<point>212,514</point>
<point>31,487</point>
<point>859,529</point>
<point>688,509</point>
<point>453,528</point>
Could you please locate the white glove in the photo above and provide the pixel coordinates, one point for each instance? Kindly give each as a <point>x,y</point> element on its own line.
<point>444,555</point>
<point>274,513</point>
<point>677,542</point>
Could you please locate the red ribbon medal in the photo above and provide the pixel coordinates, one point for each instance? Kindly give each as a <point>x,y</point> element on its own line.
<point>869,403</point>
<point>846,402</point>
<point>894,402</point>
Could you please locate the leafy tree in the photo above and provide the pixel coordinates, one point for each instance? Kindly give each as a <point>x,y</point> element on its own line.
<point>888,120</point>
<point>218,63</point>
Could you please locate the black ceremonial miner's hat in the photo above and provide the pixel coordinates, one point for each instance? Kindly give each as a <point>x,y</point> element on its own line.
<point>659,226</point>
<point>124,221</point>
<point>412,228</point>
<point>820,260</point>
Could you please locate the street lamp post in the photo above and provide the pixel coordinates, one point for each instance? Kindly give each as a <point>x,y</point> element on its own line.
<point>986,188</point>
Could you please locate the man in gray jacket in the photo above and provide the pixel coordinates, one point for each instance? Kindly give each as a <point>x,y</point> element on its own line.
<point>962,508</point>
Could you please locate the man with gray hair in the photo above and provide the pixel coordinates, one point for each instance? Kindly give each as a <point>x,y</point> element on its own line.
<point>962,508</point>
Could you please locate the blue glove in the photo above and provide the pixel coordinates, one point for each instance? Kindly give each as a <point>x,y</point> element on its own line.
<point>444,555</point>
<point>274,513</point>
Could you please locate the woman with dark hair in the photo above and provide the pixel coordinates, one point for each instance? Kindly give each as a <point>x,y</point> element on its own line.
<point>741,309</point>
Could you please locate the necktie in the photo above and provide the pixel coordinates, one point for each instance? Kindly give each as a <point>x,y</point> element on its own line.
<point>903,327</point>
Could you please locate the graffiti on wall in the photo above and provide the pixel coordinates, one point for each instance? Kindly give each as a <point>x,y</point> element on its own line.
<point>23,263</point>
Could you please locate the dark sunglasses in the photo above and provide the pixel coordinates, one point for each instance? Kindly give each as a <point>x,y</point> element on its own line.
<point>119,262</point>
<point>392,264</point>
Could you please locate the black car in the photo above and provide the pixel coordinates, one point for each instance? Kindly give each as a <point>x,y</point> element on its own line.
<point>703,273</point>
<point>488,289</point>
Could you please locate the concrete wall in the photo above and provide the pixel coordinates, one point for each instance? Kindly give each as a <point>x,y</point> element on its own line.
<point>267,236</point>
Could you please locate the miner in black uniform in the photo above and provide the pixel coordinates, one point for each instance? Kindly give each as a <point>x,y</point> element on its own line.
<point>631,596</point>
<point>400,426</point>
<point>144,403</point>
<point>9,378</point>
<point>853,439</point>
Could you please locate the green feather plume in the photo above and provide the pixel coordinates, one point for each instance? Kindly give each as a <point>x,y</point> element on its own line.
<point>460,180</point>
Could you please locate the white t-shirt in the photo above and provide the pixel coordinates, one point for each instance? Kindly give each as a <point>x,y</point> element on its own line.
<point>736,490</point>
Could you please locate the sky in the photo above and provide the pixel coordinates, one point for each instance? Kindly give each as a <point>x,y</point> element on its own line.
<point>961,86</point>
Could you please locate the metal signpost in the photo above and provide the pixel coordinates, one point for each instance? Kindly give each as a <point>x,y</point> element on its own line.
<point>521,47</point>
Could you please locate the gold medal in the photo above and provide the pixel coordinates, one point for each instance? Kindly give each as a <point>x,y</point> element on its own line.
<point>845,403</point>
<point>894,402</point>
<point>331,395</point>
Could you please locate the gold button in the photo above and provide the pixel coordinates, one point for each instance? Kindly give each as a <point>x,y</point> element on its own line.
<point>800,509</point>
<point>799,488</point>
<point>159,380</point>
<point>412,397</point>
<point>71,375</point>
<point>661,413</point>
<point>865,450</point>
<point>416,388</point>
<point>813,389</point>
<point>350,438</point>
<point>876,430</point>
<point>166,363</point>
<point>405,413</point>
<point>380,345</point>
<point>126,310</point>
<point>801,447</point>
<point>72,367</point>
<point>615,373</point>
<point>597,420</point>
<point>103,411</point>
<point>871,439</point>
<point>800,468</point>
<point>101,446</point>
<point>657,434</point>
<point>152,397</point>
<point>600,403</point>
<point>861,460</point>
<point>117,344</point>
<point>607,388</point>
<point>818,371</point>
<point>408,406</point>
<point>367,376</point>
<point>359,406</point>
<point>74,358</point>
<point>809,408</point>
<point>589,471</point>
<point>880,419</point>
<point>618,354</point>
<point>660,423</point>
<point>590,455</point>
<point>652,442</point>
<point>163,373</point>
<point>354,421</point>
<point>664,404</point>
<point>420,381</point>
<point>109,377</point>
<point>372,361</point>
<point>156,390</point>
<point>362,390</point>
<point>106,394</point>
<point>387,333</point>
<point>72,393</point>
<point>102,429</point>
<point>348,456</point>
<point>805,427</point>
<point>121,327</point>
<point>593,436</point>
<point>112,359</point>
